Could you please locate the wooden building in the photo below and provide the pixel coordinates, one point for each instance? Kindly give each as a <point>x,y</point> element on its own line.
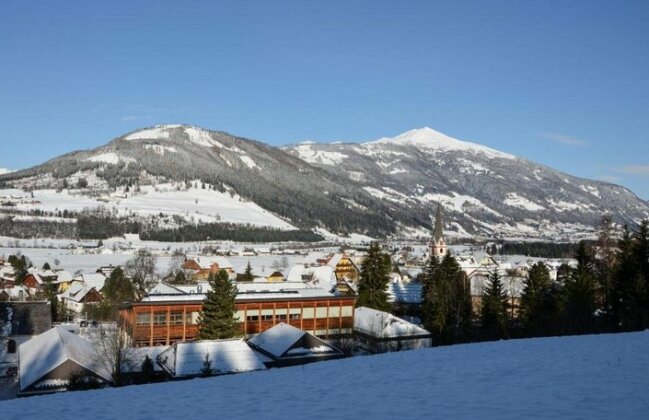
<point>167,319</point>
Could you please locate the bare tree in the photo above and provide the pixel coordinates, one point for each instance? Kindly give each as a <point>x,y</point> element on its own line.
<point>111,345</point>
<point>141,269</point>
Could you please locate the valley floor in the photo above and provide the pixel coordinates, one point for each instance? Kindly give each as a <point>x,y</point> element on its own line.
<point>597,376</point>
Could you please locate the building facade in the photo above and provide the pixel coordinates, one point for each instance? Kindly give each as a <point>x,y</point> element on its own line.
<point>171,318</point>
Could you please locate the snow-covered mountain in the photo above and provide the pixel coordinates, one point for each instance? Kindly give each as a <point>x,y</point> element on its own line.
<point>195,175</point>
<point>5,171</point>
<point>383,187</point>
<point>484,191</point>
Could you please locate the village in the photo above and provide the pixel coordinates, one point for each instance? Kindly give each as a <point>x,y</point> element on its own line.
<point>57,334</point>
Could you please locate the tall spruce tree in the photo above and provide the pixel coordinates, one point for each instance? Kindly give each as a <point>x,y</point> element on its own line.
<point>374,279</point>
<point>216,319</point>
<point>539,306</point>
<point>580,294</point>
<point>493,313</point>
<point>446,300</point>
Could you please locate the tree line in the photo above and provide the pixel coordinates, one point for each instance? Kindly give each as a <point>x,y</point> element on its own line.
<point>606,291</point>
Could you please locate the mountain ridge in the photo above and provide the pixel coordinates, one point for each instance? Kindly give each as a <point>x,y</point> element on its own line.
<point>387,186</point>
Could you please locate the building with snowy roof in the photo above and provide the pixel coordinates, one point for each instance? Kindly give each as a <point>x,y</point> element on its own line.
<point>164,319</point>
<point>50,360</point>
<point>287,345</point>
<point>380,332</point>
<point>187,360</point>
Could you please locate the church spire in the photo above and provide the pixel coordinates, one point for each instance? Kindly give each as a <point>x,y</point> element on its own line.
<point>438,232</point>
<point>438,244</point>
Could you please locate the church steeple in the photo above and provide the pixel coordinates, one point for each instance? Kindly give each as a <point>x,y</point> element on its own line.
<point>438,244</point>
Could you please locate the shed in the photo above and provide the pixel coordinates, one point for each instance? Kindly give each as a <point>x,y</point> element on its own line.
<point>186,360</point>
<point>381,332</point>
<point>287,345</point>
<point>49,360</point>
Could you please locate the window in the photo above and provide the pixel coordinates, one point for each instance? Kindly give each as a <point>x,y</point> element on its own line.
<point>280,317</point>
<point>11,346</point>
<point>294,316</point>
<point>252,318</point>
<point>143,319</point>
<point>159,318</point>
<point>176,318</point>
<point>267,317</point>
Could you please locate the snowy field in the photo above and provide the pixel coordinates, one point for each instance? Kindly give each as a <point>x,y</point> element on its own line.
<point>193,204</point>
<point>593,377</point>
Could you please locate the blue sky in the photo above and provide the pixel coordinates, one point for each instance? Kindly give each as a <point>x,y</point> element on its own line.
<point>564,83</point>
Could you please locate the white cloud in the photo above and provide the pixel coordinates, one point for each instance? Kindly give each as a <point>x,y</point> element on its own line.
<point>642,170</point>
<point>564,139</point>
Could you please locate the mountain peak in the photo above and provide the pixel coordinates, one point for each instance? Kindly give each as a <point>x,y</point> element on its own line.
<point>428,138</point>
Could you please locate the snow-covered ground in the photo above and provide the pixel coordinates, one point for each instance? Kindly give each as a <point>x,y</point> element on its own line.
<point>594,377</point>
<point>193,204</point>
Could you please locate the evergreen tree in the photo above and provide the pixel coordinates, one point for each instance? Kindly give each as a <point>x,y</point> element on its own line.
<point>216,319</point>
<point>580,294</point>
<point>118,289</point>
<point>247,275</point>
<point>373,280</point>
<point>148,370</point>
<point>207,369</point>
<point>538,307</point>
<point>446,297</point>
<point>493,313</point>
<point>629,287</point>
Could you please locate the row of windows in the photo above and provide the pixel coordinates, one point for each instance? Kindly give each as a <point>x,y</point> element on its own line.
<point>252,315</point>
<point>278,317</point>
<point>160,318</point>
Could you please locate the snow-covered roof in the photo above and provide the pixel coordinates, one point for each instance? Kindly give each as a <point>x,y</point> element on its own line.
<point>45,352</point>
<point>227,356</point>
<point>384,325</point>
<point>246,291</point>
<point>320,276</point>
<point>284,340</point>
<point>94,280</point>
<point>162,288</point>
<point>205,262</point>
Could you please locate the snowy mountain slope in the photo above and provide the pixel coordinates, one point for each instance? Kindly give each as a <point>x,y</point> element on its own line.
<point>5,171</point>
<point>483,190</point>
<point>594,377</point>
<point>293,192</point>
<point>383,187</point>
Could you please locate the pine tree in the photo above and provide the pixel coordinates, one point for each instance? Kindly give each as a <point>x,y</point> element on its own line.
<point>446,307</point>
<point>207,369</point>
<point>373,280</point>
<point>216,319</point>
<point>148,370</point>
<point>247,275</point>
<point>534,310</point>
<point>493,313</point>
<point>580,294</point>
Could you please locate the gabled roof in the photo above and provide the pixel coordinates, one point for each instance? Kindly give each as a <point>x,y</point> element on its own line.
<point>45,352</point>
<point>283,340</point>
<point>205,262</point>
<point>381,324</point>
<point>227,356</point>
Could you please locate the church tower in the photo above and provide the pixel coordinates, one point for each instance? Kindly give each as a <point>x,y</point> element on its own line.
<point>438,244</point>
